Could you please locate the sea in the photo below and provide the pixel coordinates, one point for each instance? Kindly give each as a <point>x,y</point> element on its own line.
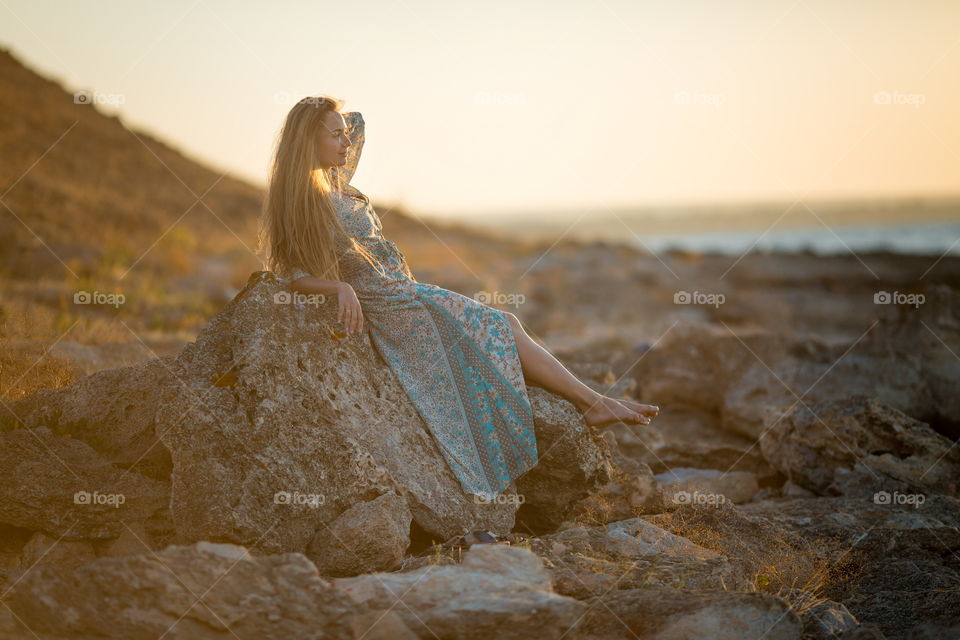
<point>939,238</point>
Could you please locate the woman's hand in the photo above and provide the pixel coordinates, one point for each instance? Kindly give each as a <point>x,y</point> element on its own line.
<point>349,311</point>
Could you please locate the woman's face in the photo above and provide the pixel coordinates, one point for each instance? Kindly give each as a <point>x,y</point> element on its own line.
<point>333,141</point>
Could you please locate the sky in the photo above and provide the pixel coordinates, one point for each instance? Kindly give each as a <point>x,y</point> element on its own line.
<point>477,109</point>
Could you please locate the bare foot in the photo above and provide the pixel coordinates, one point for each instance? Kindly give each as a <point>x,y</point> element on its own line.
<point>609,411</point>
<point>648,410</point>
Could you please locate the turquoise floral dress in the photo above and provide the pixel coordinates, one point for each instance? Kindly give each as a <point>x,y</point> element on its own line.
<point>455,357</point>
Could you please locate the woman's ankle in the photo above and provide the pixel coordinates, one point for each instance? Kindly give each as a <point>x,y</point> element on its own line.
<point>587,400</point>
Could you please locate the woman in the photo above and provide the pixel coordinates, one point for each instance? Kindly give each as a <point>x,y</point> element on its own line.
<point>463,364</point>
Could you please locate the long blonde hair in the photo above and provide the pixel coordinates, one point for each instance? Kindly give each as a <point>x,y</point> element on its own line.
<point>300,227</point>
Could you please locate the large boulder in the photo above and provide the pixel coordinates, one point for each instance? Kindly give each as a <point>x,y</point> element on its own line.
<point>200,592</point>
<point>859,446</point>
<point>497,591</point>
<point>279,423</point>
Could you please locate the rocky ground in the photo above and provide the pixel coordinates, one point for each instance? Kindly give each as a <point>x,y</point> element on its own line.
<point>272,480</point>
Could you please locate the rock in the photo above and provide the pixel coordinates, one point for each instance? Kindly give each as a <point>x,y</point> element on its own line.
<point>822,619</point>
<point>132,540</point>
<point>683,484</point>
<point>281,424</point>
<point>284,426</point>
<point>759,387</point>
<point>367,537</point>
<point>906,357</point>
<point>684,437</point>
<point>381,625</point>
<point>41,549</point>
<point>900,594</point>
<point>586,561</point>
<point>898,568</point>
<point>880,529</point>
<point>64,488</point>
<point>12,541</point>
<point>661,613</point>
<point>934,630</point>
<point>631,491</point>
<point>148,596</point>
<point>707,369</point>
<point>925,340</point>
<point>600,377</point>
<point>791,489</point>
<point>574,463</point>
<point>497,591</point>
<point>634,537</point>
<point>112,411</point>
<point>859,446</point>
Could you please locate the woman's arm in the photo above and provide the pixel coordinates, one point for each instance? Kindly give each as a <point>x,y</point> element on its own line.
<point>311,284</point>
<point>355,131</point>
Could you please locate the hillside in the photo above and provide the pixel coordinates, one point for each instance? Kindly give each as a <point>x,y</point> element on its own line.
<point>92,205</point>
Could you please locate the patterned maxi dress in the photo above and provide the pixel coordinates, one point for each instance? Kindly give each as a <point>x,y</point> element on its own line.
<point>455,357</point>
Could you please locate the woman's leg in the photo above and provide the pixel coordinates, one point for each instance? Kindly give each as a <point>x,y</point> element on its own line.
<point>542,369</point>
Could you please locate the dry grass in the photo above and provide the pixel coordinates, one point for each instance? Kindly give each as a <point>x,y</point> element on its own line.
<point>803,571</point>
